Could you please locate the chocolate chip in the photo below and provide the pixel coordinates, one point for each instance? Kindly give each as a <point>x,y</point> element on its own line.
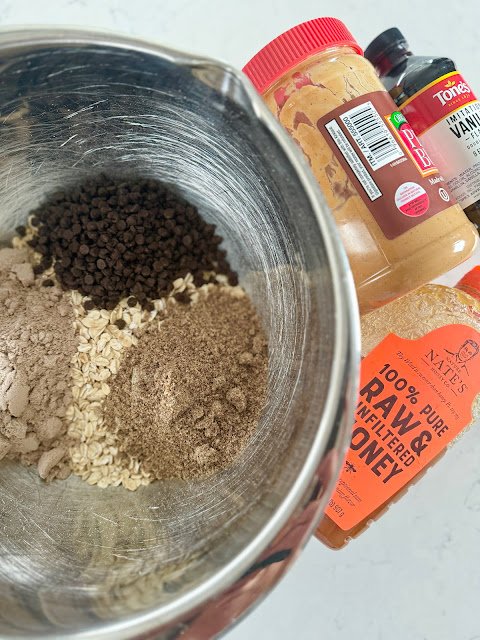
<point>88,305</point>
<point>21,230</point>
<point>48,283</point>
<point>111,239</point>
<point>121,324</point>
<point>132,302</point>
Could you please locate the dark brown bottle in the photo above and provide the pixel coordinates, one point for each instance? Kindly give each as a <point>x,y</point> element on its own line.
<point>440,107</point>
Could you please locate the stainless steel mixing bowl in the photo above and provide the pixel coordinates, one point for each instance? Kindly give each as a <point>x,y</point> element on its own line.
<point>177,559</point>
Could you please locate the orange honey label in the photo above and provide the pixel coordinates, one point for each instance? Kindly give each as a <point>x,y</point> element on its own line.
<point>415,397</point>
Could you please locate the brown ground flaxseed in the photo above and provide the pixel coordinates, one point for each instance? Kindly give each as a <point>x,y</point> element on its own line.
<point>187,399</point>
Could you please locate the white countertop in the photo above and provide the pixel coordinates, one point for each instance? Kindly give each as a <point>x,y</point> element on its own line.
<point>414,574</point>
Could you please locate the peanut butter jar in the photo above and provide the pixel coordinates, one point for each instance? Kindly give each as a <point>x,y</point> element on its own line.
<point>399,223</point>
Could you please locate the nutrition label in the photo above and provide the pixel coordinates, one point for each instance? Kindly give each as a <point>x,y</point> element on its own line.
<point>455,140</point>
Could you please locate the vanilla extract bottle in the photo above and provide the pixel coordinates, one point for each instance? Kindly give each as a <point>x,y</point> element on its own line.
<point>440,107</point>
<point>419,390</point>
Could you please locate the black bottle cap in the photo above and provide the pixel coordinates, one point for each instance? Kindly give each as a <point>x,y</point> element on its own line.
<point>382,43</point>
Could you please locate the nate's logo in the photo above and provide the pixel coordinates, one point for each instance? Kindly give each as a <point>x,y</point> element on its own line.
<point>452,364</point>
<point>467,351</point>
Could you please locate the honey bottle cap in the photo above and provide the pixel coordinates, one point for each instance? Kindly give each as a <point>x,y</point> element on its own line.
<point>470,283</point>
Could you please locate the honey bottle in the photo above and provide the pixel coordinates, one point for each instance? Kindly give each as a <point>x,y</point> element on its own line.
<point>419,390</point>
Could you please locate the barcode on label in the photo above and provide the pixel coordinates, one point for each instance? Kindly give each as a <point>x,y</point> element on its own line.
<point>372,136</point>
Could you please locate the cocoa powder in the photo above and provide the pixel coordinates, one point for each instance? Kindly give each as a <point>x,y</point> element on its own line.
<point>187,399</point>
<point>37,342</point>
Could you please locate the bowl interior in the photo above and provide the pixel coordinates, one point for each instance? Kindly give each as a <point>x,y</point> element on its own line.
<point>74,556</point>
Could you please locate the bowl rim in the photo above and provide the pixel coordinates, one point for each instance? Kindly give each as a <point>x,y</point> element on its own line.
<point>333,429</point>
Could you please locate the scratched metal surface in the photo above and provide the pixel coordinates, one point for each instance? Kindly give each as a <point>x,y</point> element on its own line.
<point>76,558</point>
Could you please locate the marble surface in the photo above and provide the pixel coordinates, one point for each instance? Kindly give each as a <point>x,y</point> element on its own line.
<point>414,574</point>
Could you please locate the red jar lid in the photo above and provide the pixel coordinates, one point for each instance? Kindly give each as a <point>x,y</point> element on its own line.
<point>294,46</point>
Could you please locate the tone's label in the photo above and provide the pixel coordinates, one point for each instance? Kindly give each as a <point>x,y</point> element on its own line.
<point>383,157</point>
<point>436,101</point>
<point>446,115</point>
<point>415,397</point>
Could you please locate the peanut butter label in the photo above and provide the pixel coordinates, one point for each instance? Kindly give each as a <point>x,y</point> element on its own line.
<point>391,170</point>
<point>415,397</point>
